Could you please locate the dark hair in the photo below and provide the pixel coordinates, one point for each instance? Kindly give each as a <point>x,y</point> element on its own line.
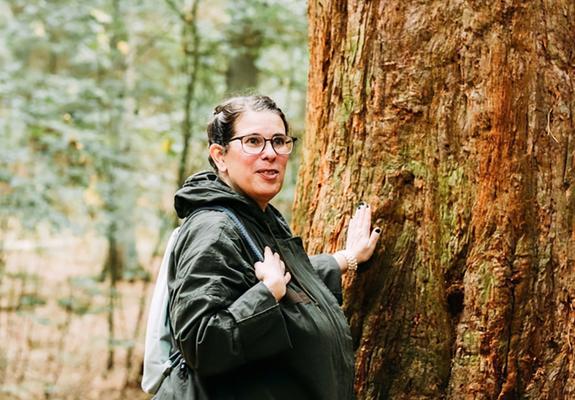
<point>221,126</point>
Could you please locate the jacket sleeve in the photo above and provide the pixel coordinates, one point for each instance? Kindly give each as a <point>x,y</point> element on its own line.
<point>328,270</point>
<point>222,317</point>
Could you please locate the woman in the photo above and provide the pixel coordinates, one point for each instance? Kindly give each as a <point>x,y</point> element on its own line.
<point>248,329</point>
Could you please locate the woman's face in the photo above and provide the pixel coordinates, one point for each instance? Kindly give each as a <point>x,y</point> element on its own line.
<point>258,176</point>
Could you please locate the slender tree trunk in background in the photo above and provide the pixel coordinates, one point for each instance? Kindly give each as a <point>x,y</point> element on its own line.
<point>113,269</point>
<point>121,186</point>
<point>5,292</point>
<point>191,48</point>
<point>246,38</point>
<point>3,230</point>
<point>122,258</point>
<point>242,73</point>
<point>454,120</point>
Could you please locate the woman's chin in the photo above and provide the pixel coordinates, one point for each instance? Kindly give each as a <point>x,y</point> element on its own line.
<point>266,195</point>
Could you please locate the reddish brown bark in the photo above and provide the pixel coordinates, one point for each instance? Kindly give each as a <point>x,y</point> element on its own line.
<point>454,120</point>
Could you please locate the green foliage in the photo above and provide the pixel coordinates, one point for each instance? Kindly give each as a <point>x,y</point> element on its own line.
<point>79,306</point>
<point>83,291</point>
<point>88,285</point>
<point>30,300</point>
<point>121,343</point>
<point>91,99</point>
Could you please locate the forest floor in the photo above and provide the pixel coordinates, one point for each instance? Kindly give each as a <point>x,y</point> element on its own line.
<point>55,328</point>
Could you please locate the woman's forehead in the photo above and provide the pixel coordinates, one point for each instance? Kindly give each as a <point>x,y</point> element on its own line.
<point>258,122</point>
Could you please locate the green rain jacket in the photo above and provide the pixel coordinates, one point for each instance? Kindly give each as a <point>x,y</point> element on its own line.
<point>238,342</point>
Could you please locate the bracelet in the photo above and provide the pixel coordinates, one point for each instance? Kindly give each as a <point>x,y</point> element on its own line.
<point>351,260</point>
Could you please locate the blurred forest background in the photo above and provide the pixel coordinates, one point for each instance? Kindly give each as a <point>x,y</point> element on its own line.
<point>103,106</point>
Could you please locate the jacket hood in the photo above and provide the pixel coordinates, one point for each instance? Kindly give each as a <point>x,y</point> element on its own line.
<point>206,188</point>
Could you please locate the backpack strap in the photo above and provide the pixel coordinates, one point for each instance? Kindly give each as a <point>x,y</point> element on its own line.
<point>243,231</point>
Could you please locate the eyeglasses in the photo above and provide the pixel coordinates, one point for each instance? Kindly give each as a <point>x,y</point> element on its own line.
<point>254,143</point>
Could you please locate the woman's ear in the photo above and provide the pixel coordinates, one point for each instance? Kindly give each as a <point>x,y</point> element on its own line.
<point>217,153</point>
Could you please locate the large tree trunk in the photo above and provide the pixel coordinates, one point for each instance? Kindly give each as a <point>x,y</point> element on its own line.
<point>454,121</point>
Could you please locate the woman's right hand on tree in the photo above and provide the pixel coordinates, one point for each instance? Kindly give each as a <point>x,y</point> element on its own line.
<point>361,240</point>
<point>271,271</point>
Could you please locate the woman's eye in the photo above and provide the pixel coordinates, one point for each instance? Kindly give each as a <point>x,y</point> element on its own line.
<point>254,141</point>
<point>279,141</point>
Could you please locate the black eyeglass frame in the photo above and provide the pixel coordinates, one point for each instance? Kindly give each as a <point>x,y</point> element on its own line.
<point>293,139</point>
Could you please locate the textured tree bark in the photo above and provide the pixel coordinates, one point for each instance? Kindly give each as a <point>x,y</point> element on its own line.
<point>454,120</point>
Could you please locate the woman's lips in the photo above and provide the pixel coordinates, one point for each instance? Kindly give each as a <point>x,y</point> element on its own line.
<point>268,173</point>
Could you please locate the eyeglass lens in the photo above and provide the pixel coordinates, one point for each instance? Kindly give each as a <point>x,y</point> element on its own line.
<point>255,144</point>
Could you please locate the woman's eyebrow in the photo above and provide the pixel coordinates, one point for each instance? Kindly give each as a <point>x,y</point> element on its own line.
<point>261,134</point>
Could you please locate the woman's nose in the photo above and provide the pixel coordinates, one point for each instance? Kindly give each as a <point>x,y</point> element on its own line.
<point>268,150</point>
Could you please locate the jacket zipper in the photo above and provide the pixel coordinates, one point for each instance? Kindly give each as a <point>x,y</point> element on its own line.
<point>339,329</point>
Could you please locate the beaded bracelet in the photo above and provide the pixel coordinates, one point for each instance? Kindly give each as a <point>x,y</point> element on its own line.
<point>351,261</point>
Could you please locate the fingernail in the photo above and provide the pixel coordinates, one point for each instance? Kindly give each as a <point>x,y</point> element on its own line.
<point>377,230</point>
